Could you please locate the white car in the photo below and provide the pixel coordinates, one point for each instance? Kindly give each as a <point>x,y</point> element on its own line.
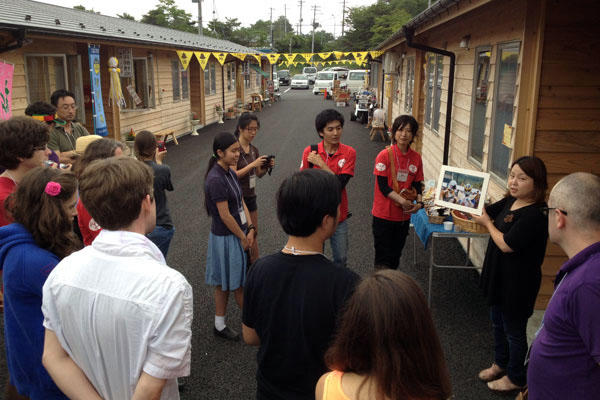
<point>275,82</point>
<point>324,81</point>
<point>300,81</point>
<point>311,73</point>
<point>355,80</point>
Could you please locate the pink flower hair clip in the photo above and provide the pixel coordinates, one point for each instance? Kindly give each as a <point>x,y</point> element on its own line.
<point>52,188</point>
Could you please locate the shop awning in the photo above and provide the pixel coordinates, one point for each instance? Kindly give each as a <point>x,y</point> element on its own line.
<point>260,71</point>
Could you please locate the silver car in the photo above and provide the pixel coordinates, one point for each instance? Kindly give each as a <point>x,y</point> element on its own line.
<point>300,81</point>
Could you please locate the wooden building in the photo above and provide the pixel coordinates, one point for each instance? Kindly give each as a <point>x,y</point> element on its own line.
<point>523,78</point>
<point>48,46</point>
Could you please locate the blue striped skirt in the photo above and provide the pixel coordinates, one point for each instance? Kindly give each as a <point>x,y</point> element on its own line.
<point>225,262</point>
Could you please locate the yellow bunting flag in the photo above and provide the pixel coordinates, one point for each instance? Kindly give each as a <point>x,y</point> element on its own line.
<point>220,57</point>
<point>240,56</point>
<point>307,56</point>
<point>202,58</point>
<point>376,53</point>
<point>324,56</point>
<point>290,57</point>
<point>257,57</point>
<point>273,57</point>
<point>185,57</point>
<point>338,54</point>
<point>360,56</point>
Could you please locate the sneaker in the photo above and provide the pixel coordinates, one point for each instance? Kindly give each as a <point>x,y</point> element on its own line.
<point>227,333</point>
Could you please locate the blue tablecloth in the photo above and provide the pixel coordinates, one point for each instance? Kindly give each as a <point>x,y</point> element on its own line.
<point>423,227</point>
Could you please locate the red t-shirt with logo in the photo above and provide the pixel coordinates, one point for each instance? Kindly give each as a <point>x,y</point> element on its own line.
<point>7,186</point>
<point>342,162</point>
<point>409,169</point>
<point>88,227</point>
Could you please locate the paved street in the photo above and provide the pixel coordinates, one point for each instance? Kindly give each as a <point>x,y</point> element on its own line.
<point>223,370</point>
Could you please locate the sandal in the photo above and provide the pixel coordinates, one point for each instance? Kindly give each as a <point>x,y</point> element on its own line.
<point>490,374</point>
<point>503,385</point>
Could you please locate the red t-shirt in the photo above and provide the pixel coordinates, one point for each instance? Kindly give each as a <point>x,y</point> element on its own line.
<point>409,168</point>
<point>88,227</point>
<point>7,186</point>
<point>342,162</point>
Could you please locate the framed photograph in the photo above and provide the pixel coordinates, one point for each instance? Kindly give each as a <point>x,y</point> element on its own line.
<point>462,189</point>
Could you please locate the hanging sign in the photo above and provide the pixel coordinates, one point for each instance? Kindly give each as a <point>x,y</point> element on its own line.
<point>220,57</point>
<point>257,57</point>
<point>98,107</point>
<point>376,53</point>
<point>360,56</point>
<point>307,56</point>
<point>202,58</point>
<point>290,57</point>
<point>6,80</point>
<point>185,57</point>
<point>273,57</point>
<point>324,56</point>
<point>338,54</point>
<point>241,56</point>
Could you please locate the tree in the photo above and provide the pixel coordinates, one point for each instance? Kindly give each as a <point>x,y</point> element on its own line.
<point>126,16</point>
<point>224,30</point>
<point>82,8</point>
<point>167,14</point>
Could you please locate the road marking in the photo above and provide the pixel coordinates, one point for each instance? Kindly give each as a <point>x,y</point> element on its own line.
<point>288,89</point>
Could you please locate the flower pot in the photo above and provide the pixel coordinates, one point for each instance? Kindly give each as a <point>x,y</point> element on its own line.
<point>230,115</point>
<point>220,114</point>
<point>195,124</point>
<point>130,145</point>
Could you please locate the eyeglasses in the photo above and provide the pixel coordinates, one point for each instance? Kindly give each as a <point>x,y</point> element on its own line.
<point>546,210</point>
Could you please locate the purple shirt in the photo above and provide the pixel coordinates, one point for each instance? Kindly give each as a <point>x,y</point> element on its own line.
<point>221,185</point>
<point>565,356</point>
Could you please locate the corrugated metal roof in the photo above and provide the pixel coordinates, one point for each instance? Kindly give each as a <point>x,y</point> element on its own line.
<point>47,18</point>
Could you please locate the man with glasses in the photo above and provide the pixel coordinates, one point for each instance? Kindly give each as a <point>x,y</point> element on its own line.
<point>64,137</point>
<point>565,355</point>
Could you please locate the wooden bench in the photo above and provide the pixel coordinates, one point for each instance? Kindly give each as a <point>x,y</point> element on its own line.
<point>164,135</point>
<point>256,102</point>
<point>375,129</point>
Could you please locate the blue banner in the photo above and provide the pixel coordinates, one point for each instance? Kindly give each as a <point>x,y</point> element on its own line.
<point>98,107</point>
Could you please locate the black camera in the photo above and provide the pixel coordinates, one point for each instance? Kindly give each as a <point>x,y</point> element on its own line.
<point>267,163</point>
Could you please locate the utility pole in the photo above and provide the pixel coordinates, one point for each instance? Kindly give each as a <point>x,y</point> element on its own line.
<point>300,23</point>
<point>285,17</point>
<point>343,15</point>
<point>333,19</point>
<point>271,27</point>
<point>290,45</point>
<point>199,16</point>
<point>312,48</point>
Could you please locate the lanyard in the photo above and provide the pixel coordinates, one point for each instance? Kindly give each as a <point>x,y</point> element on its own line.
<point>244,157</point>
<point>396,151</point>
<point>236,189</point>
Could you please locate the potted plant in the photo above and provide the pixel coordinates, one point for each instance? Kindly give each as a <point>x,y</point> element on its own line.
<point>195,119</point>
<point>230,113</point>
<point>219,111</point>
<point>130,141</point>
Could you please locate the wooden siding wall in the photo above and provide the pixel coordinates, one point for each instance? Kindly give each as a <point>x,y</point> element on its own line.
<point>230,95</point>
<point>211,100</point>
<point>169,113</point>
<point>568,122</point>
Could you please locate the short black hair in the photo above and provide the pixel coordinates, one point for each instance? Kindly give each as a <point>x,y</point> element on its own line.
<point>327,116</point>
<point>40,108</point>
<point>19,136</point>
<point>401,121</point>
<point>59,94</point>
<point>305,198</point>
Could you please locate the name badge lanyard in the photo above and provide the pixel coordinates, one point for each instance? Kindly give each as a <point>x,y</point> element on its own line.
<point>238,195</point>
<point>396,151</point>
<point>252,176</point>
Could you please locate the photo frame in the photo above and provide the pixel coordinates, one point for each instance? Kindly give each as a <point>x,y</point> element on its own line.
<point>462,189</point>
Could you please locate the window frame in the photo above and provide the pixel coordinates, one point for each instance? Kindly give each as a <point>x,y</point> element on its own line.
<point>499,48</point>
<point>175,79</point>
<point>58,55</point>
<point>210,77</point>
<point>478,50</point>
<point>430,118</point>
<point>409,84</point>
<point>230,76</point>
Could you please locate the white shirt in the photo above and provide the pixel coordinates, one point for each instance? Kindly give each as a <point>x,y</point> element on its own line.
<point>117,310</point>
<point>378,117</point>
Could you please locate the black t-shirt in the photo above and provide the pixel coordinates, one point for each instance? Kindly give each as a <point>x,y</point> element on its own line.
<point>243,161</point>
<point>512,280</point>
<point>162,182</point>
<point>293,303</point>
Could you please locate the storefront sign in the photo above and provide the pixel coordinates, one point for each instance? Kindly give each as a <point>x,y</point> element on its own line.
<point>98,107</point>
<point>6,80</point>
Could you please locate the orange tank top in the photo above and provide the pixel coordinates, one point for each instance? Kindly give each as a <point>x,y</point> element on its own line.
<point>333,387</point>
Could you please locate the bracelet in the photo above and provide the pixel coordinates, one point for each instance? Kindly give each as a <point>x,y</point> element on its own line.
<point>250,227</point>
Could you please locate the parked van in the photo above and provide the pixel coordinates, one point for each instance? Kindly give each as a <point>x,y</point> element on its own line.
<point>355,80</point>
<point>310,73</point>
<point>324,81</point>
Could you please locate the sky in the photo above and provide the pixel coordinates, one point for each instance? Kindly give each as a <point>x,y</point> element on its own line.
<point>329,12</point>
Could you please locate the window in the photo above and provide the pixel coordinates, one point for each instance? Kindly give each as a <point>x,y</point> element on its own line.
<point>230,70</point>
<point>45,74</point>
<point>247,74</point>
<point>479,103</point>
<point>175,80</point>
<point>410,84</point>
<point>210,79</point>
<point>258,76</point>
<point>507,67</point>
<point>185,87</point>
<point>435,68</point>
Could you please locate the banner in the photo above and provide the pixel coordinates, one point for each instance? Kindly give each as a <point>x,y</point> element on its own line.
<point>307,56</point>
<point>241,56</point>
<point>376,53</point>
<point>220,57</point>
<point>6,80</point>
<point>97,105</point>
<point>324,56</point>
<point>257,57</point>
<point>273,57</point>
<point>185,57</point>
<point>360,56</point>
<point>338,54</point>
<point>202,58</point>
<point>290,57</point>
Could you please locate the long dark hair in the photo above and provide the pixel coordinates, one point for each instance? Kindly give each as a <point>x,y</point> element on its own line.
<point>400,349</point>
<point>43,215</point>
<point>97,150</point>
<point>145,145</point>
<point>221,142</point>
<point>243,122</point>
<point>536,170</point>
